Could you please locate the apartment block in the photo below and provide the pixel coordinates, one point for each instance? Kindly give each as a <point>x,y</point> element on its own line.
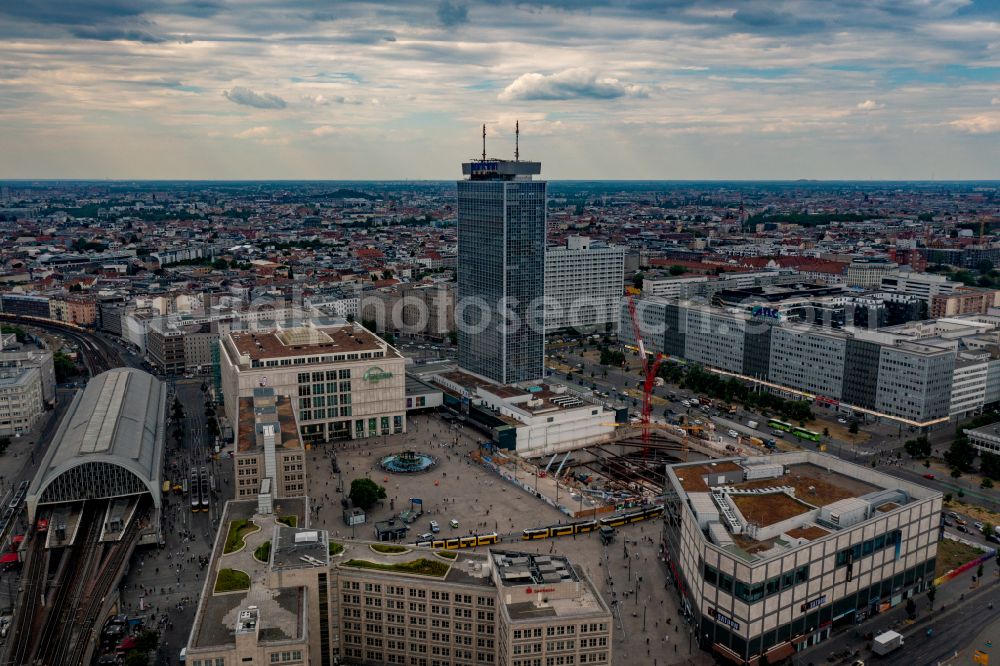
<point>583,285</point>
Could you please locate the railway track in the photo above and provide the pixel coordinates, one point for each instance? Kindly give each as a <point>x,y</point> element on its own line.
<point>97,355</point>
<point>23,636</point>
<point>51,641</point>
<point>80,631</point>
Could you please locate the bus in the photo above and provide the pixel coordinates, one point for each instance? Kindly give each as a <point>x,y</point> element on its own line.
<point>780,425</point>
<point>803,433</point>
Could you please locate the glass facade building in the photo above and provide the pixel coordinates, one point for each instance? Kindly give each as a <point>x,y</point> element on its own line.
<point>501,271</point>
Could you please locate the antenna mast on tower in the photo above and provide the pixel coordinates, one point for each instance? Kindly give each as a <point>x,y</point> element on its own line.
<point>484,142</point>
<point>517,140</point>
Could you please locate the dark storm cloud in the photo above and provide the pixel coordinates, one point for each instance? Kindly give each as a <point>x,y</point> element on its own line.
<point>112,33</point>
<point>452,13</point>
<point>247,97</point>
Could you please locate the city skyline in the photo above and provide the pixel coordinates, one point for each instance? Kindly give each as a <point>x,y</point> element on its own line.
<point>626,90</point>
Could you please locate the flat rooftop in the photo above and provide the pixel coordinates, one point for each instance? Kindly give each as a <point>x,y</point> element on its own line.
<point>303,341</point>
<point>764,505</point>
<point>535,586</point>
<point>246,438</point>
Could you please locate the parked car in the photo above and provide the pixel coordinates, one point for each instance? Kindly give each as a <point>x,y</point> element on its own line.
<point>929,476</point>
<point>426,536</point>
<point>978,526</point>
<point>962,528</point>
<point>435,527</point>
<point>734,434</point>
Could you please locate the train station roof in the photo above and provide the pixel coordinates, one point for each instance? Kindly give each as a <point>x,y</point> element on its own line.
<point>109,443</point>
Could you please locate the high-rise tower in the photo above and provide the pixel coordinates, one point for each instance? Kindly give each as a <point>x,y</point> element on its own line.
<point>501,270</point>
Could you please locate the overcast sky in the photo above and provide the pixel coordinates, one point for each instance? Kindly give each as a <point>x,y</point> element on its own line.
<point>671,89</point>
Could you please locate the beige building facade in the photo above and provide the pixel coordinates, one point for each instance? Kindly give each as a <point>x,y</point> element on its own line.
<point>344,382</point>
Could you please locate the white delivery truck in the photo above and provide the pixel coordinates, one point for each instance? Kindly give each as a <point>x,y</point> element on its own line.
<point>887,642</point>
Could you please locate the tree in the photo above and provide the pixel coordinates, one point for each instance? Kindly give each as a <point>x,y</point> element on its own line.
<point>853,428</point>
<point>220,264</point>
<point>987,529</point>
<point>4,444</point>
<point>637,280</point>
<point>453,337</point>
<point>918,448</point>
<point>956,473</point>
<point>911,608</point>
<point>986,483</point>
<point>64,367</point>
<point>826,432</point>
<point>365,492</point>
<point>676,270</point>
<point>989,465</point>
<point>931,593</point>
<point>979,570</point>
<point>960,454</point>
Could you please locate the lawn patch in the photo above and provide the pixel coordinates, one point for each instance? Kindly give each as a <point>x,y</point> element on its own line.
<point>421,567</point>
<point>238,530</point>
<point>953,554</point>
<point>291,521</point>
<point>388,549</point>
<point>335,548</point>
<point>231,580</point>
<point>263,552</point>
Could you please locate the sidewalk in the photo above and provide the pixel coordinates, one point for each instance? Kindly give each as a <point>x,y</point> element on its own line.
<point>949,596</point>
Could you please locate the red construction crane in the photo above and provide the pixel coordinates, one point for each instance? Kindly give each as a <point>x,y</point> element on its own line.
<point>648,371</point>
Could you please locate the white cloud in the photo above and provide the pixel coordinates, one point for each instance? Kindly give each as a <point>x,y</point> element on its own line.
<point>323,100</point>
<point>869,105</point>
<point>986,123</point>
<point>995,101</point>
<point>574,83</point>
<point>259,132</point>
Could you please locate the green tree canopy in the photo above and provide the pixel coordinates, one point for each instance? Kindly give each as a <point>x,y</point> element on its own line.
<point>365,492</point>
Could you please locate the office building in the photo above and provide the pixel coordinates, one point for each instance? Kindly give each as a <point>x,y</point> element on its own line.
<point>540,420</point>
<point>27,385</point>
<point>268,447</point>
<point>770,554</point>
<point>583,285</point>
<point>867,272</point>
<point>499,310</point>
<point>25,305</point>
<point>344,382</point>
<point>985,439</point>
<point>416,309</point>
<point>920,373</point>
<point>495,608</point>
